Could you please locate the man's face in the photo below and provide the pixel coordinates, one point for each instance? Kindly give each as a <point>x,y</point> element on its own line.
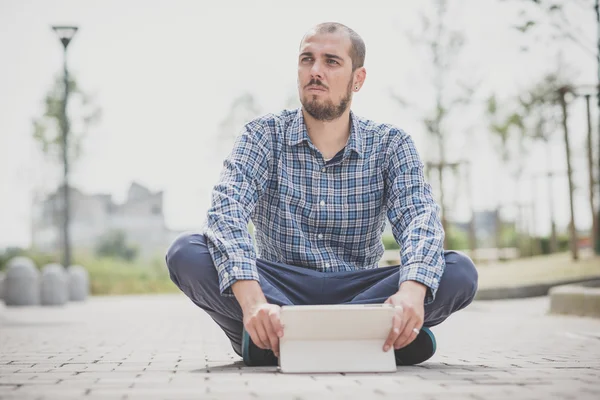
<point>325,75</point>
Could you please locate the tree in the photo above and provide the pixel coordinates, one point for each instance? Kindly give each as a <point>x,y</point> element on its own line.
<point>556,22</point>
<point>48,131</point>
<point>544,113</point>
<point>506,127</point>
<point>552,22</point>
<point>83,113</point>
<point>443,45</point>
<point>242,110</point>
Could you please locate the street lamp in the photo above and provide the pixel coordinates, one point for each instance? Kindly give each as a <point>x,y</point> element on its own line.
<point>65,34</point>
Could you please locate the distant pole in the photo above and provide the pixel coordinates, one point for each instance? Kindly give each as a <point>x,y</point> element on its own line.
<point>572,228</point>
<point>65,34</point>
<point>590,155</point>
<point>597,7</point>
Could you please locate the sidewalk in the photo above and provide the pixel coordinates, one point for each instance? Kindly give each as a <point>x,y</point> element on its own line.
<point>155,347</point>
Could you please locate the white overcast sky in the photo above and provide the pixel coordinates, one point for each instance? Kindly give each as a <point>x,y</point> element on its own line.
<point>165,73</point>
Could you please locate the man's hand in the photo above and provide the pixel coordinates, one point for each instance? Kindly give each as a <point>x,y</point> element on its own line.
<point>264,326</point>
<point>261,319</point>
<point>409,314</point>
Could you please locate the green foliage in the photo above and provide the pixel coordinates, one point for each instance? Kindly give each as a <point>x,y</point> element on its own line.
<point>82,114</point>
<point>562,242</point>
<point>457,239</point>
<point>40,259</point>
<point>114,244</point>
<point>389,243</point>
<point>108,275</point>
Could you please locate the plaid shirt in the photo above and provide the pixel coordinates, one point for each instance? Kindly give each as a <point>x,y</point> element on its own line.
<point>323,215</point>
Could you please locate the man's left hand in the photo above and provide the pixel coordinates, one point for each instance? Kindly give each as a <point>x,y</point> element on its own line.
<point>409,314</point>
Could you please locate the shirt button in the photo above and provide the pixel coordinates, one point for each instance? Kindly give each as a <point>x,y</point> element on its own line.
<point>235,269</point>
<point>320,236</point>
<point>324,169</point>
<point>327,265</point>
<point>322,202</point>
<point>226,275</point>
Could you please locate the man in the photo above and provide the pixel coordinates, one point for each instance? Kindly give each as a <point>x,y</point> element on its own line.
<point>318,183</point>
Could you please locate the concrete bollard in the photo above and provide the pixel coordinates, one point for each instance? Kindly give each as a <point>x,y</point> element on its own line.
<point>22,283</point>
<point>79,283</point>
<point>55,286</point>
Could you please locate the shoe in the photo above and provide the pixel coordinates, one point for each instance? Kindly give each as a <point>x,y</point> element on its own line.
<point>419,350</point>
<point>254,356</point>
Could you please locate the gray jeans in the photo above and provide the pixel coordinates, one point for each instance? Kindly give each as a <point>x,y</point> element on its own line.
<point>191,268</point>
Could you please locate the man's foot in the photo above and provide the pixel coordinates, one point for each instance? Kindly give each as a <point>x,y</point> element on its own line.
<point>254,356</point>
<point>419,350</point>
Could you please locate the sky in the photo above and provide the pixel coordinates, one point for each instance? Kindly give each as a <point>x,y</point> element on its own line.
<point>166,72</point>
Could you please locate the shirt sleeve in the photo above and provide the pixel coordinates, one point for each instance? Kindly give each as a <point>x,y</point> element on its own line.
<point>243,178</point>
<point>414,218</point>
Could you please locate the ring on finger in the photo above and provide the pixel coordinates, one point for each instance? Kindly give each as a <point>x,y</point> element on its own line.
<point>416,331</point>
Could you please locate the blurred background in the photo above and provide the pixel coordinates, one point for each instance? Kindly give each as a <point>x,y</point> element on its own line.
<point>500,96</point>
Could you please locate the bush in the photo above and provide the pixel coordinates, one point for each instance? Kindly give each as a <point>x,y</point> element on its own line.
<point>108,275</point>
<point>389,243</point>
<point>562,243</point>
<point>40,259</point>
<point>116,276</point>
<point>114,244</point>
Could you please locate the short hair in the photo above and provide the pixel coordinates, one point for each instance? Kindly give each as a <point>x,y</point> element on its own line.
<point>357,45</point>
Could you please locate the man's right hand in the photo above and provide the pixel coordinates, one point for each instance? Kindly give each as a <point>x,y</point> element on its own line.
<point>264,326</point>
<point>261,319</point>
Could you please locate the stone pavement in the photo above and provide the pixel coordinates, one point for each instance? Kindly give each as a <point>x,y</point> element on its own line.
<point>154,347</point>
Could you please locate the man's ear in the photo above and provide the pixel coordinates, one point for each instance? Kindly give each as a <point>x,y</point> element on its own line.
<point>359,77</point>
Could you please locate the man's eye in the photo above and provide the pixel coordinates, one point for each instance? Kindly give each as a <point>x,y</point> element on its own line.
<point>306,59</point>
<point>332,61</point>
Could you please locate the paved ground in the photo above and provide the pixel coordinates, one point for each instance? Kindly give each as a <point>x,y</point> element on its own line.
<point>163,347</point>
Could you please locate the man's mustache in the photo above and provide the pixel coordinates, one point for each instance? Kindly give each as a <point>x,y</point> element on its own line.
<point>316,82</point>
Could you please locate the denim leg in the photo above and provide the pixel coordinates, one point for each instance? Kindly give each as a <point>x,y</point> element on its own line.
<point>456,290</point>
<point>191,268</point>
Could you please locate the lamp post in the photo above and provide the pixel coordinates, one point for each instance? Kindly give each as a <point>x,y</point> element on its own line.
<point>65,34</point>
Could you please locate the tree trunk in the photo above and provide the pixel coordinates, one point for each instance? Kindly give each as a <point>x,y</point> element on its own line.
<point>572,227</point>
<point>590,155</point>
<point>553,237</point>
<point>472,227</point>
<point>443,203</point>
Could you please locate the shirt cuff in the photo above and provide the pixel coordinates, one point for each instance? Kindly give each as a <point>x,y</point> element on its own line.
<point>232,271</point>
<point>422,274</point>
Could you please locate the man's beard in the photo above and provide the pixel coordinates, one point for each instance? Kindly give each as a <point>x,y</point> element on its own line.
<point>326,111</point>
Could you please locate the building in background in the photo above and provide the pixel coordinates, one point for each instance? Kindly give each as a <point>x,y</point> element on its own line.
<point>140,217</point>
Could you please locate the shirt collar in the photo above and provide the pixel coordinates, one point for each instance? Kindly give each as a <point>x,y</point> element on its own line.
<point>297,132</point>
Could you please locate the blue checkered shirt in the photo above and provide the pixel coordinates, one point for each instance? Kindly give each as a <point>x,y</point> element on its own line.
<point>323,215</point>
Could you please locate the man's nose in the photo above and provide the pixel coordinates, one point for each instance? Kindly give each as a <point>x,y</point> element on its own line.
<point>316,71</point>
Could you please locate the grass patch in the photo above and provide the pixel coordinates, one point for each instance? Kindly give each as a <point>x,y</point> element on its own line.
<point>112,276</point>
<point>540,269</point>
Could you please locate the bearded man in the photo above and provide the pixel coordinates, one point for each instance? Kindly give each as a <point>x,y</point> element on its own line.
<point>318,183</point>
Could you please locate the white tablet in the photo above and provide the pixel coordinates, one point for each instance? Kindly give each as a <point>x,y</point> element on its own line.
<point>336,338</point>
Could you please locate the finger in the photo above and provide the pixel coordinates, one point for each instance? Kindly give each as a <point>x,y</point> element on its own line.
<point>395,331</point>
<point>275,318</point>
<point>408,334</point>
<point>254,335</point>
<point>262,334</point>
<point>405,318</point>
<point>272,336</point>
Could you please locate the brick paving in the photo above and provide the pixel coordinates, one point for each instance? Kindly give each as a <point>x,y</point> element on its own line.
<point>163,347</point>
